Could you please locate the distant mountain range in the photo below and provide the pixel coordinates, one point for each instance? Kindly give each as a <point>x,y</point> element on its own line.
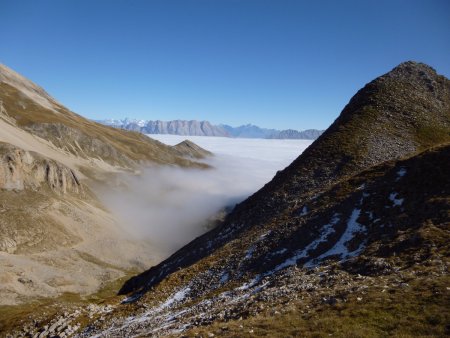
<point>205,128</point>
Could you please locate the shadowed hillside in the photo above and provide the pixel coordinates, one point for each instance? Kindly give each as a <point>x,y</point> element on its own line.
<point>395,116</point>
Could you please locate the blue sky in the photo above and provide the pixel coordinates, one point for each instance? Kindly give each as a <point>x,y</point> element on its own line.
<point>281,64</point>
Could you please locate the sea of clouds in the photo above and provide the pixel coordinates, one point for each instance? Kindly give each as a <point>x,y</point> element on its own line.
<point>168,205</point>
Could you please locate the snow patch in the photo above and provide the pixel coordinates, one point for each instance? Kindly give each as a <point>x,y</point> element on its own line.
<point>278,252</point>
<point>395,200</point>
<point>400,173</point>
<point>340,248</point>
<point>132,298</point>
<point>176,297</point>
<point>304,211</point>
<point>224,278</point>
<point>250,284</point>
<point>250,252</point>
<point>153,313</point>
<point>265,234</point>
<point>326,231</point>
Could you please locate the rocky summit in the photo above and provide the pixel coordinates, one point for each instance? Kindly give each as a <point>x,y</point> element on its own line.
<point>351,239</point>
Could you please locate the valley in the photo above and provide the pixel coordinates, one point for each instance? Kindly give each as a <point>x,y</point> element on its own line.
<point>57,235</point>
<point>202,169</point>
<point>68,239</point>
<point>345,235</point>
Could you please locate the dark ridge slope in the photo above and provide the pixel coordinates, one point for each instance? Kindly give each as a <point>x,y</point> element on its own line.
<point>397,114</point>
<point>377,243</point>
<point>394,116</point>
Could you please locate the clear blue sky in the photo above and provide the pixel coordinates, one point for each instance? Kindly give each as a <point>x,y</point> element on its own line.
<point>282,64</point>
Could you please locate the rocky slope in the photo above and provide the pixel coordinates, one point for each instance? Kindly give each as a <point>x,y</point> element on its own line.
<point>380,237</point>
<point>356,225</point>
<point>408,110</point>
<point>55,234</point>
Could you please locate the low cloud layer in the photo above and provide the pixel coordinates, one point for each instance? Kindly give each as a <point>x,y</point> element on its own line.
<point>168,206</point>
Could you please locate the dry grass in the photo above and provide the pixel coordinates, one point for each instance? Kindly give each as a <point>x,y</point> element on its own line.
<point>418,310</point>
<point>41,311</point>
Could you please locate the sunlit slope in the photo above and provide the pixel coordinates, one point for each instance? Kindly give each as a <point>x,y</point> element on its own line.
<point>36,112</point>
<point>56,235</point>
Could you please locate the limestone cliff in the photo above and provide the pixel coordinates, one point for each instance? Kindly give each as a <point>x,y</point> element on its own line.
<point>21,169</point>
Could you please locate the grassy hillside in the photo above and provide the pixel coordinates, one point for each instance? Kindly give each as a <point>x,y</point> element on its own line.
<point>83,137</point>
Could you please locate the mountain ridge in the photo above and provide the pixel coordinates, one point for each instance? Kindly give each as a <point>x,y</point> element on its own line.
<point>338,154</point>
<point>205,128</point>
<point>355,202</point>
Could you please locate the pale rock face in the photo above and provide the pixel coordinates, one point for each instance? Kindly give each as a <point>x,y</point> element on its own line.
<point>176,127</point>
<point>180,127</point>
<point>20,169</point>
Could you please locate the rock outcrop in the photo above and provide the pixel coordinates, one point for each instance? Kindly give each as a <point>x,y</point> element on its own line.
<point>20,169</point>
<point>78,143</point>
